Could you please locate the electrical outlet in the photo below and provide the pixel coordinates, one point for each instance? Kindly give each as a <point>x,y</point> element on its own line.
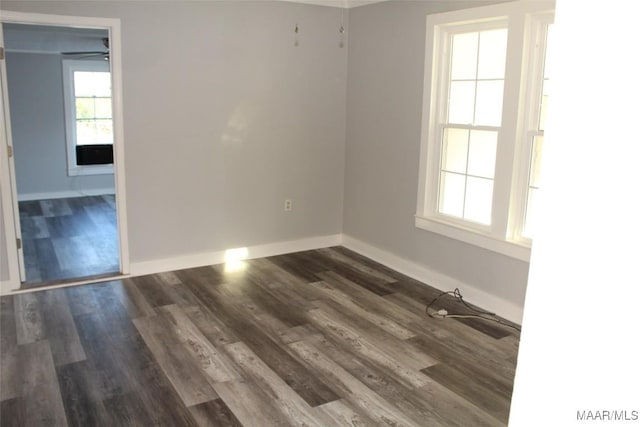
<point>288,205</point>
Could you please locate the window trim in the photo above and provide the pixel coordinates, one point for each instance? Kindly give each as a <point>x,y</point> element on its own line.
<point>69,66</point>
<point>500,237</point>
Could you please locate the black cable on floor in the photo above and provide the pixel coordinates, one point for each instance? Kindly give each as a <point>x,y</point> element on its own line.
<point>482,314</point>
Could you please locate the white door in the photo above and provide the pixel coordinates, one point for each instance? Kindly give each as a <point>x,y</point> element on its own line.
<point>10,200</point>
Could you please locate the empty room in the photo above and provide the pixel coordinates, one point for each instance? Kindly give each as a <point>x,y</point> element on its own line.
<point>269,213</point>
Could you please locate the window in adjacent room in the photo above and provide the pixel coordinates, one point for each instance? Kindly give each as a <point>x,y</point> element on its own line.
<point>89,121</point>
<point>486,90</point>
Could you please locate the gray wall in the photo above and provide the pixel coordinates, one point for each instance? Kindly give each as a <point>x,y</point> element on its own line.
<point>224,119</point>
<point>384,113</point>
<point>38,129</point>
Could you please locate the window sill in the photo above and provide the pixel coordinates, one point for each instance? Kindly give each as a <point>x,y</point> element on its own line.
<point>515,250</point>
<point>91,170</point>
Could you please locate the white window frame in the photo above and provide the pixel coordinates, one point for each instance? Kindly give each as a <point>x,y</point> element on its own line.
<point>509,200</point>
<point>533,76</point>
<point>69,66</point>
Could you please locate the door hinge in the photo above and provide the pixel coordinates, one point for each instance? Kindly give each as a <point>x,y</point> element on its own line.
<point>1,53</point>
<point>19,243</point>
<point>10,151</point>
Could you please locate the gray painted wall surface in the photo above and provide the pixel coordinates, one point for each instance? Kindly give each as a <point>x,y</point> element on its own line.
<point>384,114</point>
<point>38,129</point>
<point>225,118</point>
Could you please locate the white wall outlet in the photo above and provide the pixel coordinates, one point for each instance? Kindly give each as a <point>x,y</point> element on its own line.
<point>288,205</point>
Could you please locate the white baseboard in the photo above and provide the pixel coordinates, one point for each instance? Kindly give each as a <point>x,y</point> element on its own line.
<point>472,294</point>
<point>64,194</point>
<point>478,297</point>
<point>196,260</point>
<point>6,286</point>
<point>218,257</point>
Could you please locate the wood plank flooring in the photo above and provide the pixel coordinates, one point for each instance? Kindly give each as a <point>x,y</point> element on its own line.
<point>69,238</point>
<point>316,338</point>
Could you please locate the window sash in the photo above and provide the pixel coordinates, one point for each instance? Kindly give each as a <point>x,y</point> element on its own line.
<point>468,170</point>
<point>433,196</point>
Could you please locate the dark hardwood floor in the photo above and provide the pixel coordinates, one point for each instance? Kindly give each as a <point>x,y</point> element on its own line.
<point>69,238</point>
<point>316,338</point>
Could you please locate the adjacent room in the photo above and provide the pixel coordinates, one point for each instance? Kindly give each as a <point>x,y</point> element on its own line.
<point>268,212</point>
<point>59,88</point>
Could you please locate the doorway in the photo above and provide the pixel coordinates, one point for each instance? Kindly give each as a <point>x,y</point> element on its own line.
<point>63,88</point>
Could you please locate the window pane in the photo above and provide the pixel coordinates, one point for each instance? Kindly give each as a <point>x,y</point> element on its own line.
<point>537,145</point>
<point>104,132</point>
<point>90,132</point>
<point>545,83</point>
<point>464,56</point>
<point>102,84</point>
<point>489,103</point>
<point>478,200</point>
<point>461,100</point>
<point>103,108</point>
<point>92,83</point>
<point>493,53</point>
<point>85,132</point>
<point>85,108</point>
<point>542,121</point>
<point>454,152</point>
<point>536,157</point>
<point>531,214</point>
<point>482,153</point>
<point>83,83</point>
<point>451,194</point>
<point>548,66</point>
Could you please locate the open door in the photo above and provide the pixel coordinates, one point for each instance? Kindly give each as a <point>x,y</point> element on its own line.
<point>9,192</point>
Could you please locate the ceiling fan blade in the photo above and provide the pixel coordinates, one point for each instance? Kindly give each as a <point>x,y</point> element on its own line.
<point>91,52</point>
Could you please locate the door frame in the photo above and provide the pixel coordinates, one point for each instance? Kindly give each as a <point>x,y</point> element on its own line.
<point>7,177</point>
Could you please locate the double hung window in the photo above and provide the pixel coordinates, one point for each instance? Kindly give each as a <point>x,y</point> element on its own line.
<point>485,102</point>
<point>89,121</point>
